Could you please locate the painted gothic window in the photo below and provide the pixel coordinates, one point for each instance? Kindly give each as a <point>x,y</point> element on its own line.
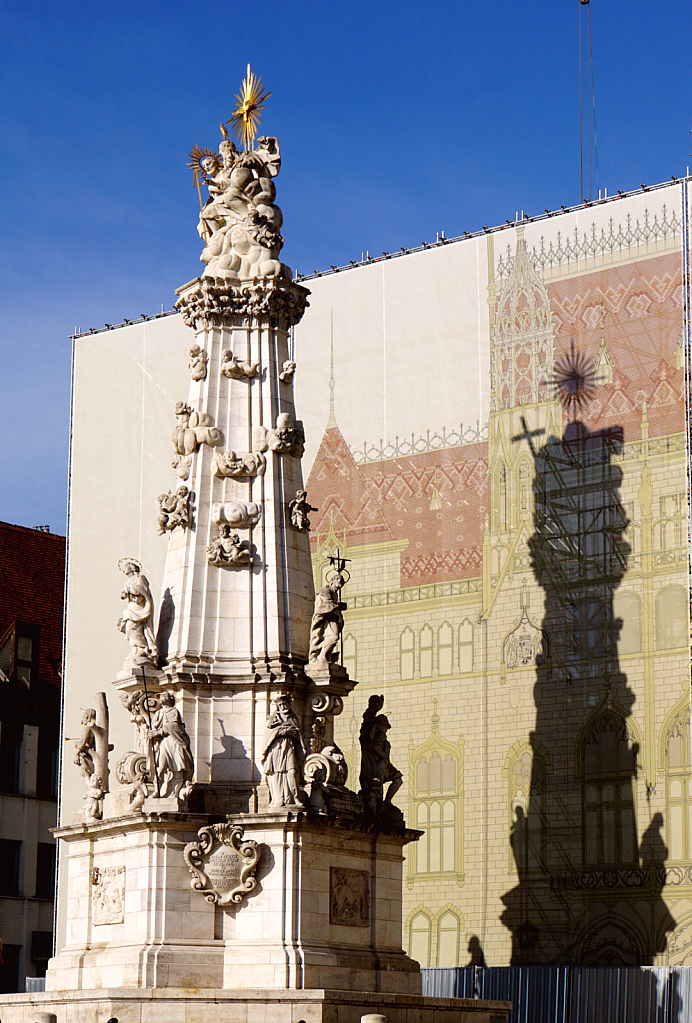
<point>350,655</point>
<point>672,630</point>
<point>465,646</point>
<point>448,935</point>
<point>436,805</point>
<point>526,770</point>
<point>679,787</point>
<point>426,651</point>
<point>419,938</point>
<point>628,607</point>
<point>608,770</point>
<point>406,653</point>
<point>445,649</point>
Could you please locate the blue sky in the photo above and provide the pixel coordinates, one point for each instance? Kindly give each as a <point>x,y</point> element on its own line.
<point>396,120</point>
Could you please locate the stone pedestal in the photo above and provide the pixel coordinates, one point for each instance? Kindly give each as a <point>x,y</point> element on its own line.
<point>325,911</point>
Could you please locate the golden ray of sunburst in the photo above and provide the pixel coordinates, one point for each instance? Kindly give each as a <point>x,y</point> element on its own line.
<point>246,116</point>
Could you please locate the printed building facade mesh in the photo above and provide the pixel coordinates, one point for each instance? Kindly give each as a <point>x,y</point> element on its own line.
<point>520,589</point>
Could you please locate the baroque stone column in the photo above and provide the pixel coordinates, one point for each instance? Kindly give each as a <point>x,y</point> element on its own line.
<point>248,616</point>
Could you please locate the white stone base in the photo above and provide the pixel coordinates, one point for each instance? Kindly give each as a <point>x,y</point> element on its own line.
<point>326,911</point>
<point>173,1005</point>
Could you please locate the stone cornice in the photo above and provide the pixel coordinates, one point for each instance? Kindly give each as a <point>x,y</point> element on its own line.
<point>215,301</point>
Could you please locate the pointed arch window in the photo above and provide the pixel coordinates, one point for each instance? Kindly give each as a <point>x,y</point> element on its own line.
<point>436,806</point>
<point>500,497</point>
<point>678,766</point>
<point>672,616</point>
<point>407,653</point>
<point>448,939</point>
<point>419,934</point>
<point>524,490</point>
<point>445,649</point>
<point>526,768</point>
<point>627,606</point>
<point>350,655</point>
<point>608,770</point>
<point>426,651</point>
<point>465,646</point>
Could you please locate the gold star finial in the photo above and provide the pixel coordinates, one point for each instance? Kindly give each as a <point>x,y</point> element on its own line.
<point>250,102</point>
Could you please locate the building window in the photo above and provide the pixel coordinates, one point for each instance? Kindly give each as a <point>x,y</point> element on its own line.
<point>419,938</point>
<point>407,653</point>
<point>9,969</point>
<point>41,950</point>
<point>448,935</point>
<point>47,766</point>
<point>45,870</point>
<point>628,607</point>
<point>19,654</point>
<point>608,769</point>
<point>426,651</point>
<point>465,646</point>
<point>350,655</point>
<point>679,787</point>
<point>445,649</point>
<point>11,741</point>
<point>435,805</point>
<point>526,769</point>
<point>10,854</point>
<point>672,629</point>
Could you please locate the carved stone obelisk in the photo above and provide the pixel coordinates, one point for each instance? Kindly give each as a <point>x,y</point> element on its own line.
<point>233,872</point>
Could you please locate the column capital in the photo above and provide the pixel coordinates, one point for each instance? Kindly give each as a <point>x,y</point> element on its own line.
<point>215,302</point>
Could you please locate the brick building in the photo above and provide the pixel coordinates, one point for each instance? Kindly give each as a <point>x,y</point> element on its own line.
<point>32,564</point>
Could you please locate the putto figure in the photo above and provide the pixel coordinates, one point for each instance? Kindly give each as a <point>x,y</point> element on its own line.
<point>192,429</point>
<point>327,621</point>
<point>174,510</point>
<point>299,509</point>
<point>137,620</point>
<point>227,549</point>
<point>287,371</point>
<point>283,755</point>
<point>198,363</point>
<point>239,466</point>
<point>288,438</point>
<point>233,367</point>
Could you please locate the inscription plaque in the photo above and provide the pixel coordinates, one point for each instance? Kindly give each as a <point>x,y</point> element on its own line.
<point>349,897</point>
<point>222,864</point>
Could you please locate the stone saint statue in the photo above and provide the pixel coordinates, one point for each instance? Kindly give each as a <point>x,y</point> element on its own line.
<point>327,621</point>
<point>240,222</point>
<point>376,768</point>
<point>174,764</point>
<point>137,620</point>
<point>283,755</point>
<point>91,755</point>
<point>299,510</point>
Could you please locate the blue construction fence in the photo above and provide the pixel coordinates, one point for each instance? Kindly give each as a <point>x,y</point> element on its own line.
<point>573,994</point>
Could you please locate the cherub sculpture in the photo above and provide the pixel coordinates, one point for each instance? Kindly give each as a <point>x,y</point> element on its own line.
<point>192,429</point>
<point>227,549</point>
<point>92,799</point>
<point>298,509</point>
<point>235,368</point>
<point>238,466</point>
<point>174,510</point>
<point>198,363</point>
<point>137,620</point>
<point>288,437</point>
<point>287,371</point>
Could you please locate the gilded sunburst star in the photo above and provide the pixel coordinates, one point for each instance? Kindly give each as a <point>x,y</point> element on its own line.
<point>246,116</point>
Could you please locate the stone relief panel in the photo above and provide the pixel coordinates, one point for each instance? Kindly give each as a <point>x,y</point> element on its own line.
<point>349,897</point>
<point>223,864</point>
<point>108,895</point>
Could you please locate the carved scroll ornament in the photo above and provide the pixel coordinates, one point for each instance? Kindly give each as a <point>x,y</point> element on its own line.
<point>222,864</point>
